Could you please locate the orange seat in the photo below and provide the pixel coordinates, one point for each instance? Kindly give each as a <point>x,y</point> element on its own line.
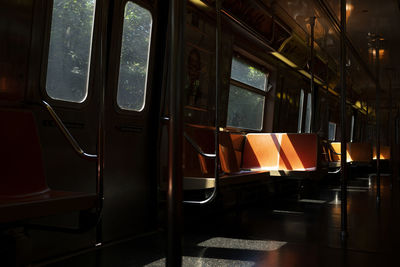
<point>194,164</point>
<point>250,155</point>
<point>299,152</point>
<point>384,152</point>
<point>281,152</point>
<point>359,152</point>
<point>356,152</point>
<point>261,151</point>
<point>336,147</point>
<point>230,151</point>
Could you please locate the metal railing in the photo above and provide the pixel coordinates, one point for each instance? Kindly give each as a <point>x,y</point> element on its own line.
<point>197,147</point>
<point>61,126</point>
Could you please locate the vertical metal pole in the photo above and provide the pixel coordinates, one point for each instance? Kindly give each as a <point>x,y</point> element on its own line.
<point>391,144</point>
<point>378,139</point>
<point>101,123</point>
<point>176,83</point>
<point>218,57</point>
<point>366,124</point>
<point>343,182</point>
<point>313,105</point>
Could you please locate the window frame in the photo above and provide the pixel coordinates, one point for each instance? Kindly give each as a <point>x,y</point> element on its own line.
<point>92,65</point>
<point>250,88</point>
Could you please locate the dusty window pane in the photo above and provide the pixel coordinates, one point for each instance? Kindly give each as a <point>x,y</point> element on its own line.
<point>69,50</point>
<point>332,131</point>
<point>308,114</point>
<point>245,109</point>
<point>134,57</point>
<point>352,129</point>
<point>301,105</point>
<point>247,74</point>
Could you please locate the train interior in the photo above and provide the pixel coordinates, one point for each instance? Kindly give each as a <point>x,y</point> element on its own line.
<point>199,133</point>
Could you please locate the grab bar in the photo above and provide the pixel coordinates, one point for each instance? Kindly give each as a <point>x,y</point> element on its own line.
<point>197,148</point>
<point>67,134</point>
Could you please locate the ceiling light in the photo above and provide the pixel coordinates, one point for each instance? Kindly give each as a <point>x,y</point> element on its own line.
<point>198,3</point>
<point>284,59</point>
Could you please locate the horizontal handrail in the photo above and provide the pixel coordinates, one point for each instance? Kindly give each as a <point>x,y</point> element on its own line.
<point>335,171</point>
<point>197,148</point>
<point>205,201</point>
<point>329,146</point>
<point>67,134</point>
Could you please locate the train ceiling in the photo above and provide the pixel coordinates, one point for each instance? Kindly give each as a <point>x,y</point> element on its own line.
<point>365,18</point>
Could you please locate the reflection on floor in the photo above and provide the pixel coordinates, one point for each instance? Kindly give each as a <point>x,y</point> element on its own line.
<point>303,232</point>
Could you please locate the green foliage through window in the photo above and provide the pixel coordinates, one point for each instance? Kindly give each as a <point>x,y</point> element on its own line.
<point>246,107</point>
<point>247,74</point>
<point>134,57</point>
<point>69,50</point>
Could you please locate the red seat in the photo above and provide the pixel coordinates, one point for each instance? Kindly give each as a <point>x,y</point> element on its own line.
<point>24,192</point>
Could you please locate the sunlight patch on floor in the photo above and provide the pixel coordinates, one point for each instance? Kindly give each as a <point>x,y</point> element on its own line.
<point>205,262</point>
<point>232,243</point>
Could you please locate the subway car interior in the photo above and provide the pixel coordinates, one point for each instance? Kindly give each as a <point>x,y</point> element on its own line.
<point>199,133</point>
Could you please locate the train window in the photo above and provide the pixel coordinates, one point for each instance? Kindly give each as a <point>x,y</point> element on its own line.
<point>69,50</point>
<point>331,131</point>
<point>246,96</point>
<point>352,129</point>
<point>308,114</point>
<point>247,74</point>
<point>134,58</point>
<point>397,129</point>
<point>301,106</point>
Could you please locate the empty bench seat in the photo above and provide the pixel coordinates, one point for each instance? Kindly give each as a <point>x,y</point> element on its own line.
<point>281,153</point>
<point>248,157</point>
<point>24,193</point>
<point>384,153</point>
<point>198,171</point>
<point>356,152</point>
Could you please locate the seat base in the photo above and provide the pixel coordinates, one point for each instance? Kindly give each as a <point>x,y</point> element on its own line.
<point>13,209</point>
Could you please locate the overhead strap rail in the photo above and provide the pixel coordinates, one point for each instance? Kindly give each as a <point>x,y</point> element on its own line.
<point>67,134</point>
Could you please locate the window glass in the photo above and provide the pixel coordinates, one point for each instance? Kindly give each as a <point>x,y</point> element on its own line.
<point>332,131</point>
<point>301,104</point>
<point>245,109</point>
<point>308,114</point>
<point>247,74</point>
<point>352,129</point>
<point>134,57</point>
<point>69,49</point>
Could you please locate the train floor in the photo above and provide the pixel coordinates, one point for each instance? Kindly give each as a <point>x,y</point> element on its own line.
<point>283,232</point>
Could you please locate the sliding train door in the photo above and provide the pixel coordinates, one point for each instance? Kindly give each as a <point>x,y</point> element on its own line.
<point>91,47</point>
<point>131,111</point>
